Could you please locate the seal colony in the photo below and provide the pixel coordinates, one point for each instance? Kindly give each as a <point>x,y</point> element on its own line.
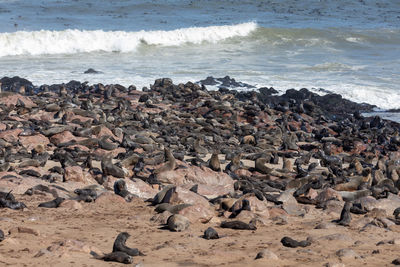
<point>188,156</point>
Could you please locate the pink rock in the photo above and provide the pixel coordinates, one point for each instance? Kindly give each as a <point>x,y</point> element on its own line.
<point>40,115</point>
<point>257,205</point>
<point>10,135</point>
<point>29,142</point>
<point>80,118</point>
<point>243,172</point>
<point>246,215</point>
<point>277,212</point>
<point>101,152</point>
<point>209,191</point>
<point>188,197</point>
<point>105,131</point>
<point>195,175</point>
<point>198,213</point>
<point>13,99</point>
<point>76,174</point>
<point>108,198</point>
<point>140,188</point>
<point>63,137</point>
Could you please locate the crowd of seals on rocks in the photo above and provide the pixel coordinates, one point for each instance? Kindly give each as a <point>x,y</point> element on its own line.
<point>295,149</point>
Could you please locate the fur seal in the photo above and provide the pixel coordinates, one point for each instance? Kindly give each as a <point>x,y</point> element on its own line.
<point>104,144</point>
<point>245,205</point>
<point>234,164</point>
<point>356,181</point>
<point>291,243</point>
<point>287,165</point>
<point>1,235</point>
<point>14,205</point>
<point>261,167</point>
<point>177,223</point>
<point>198,148</point>
<point>351,196</point>
<point>214,163</point>
<point>396,213</point>
<point>108,168</point>
<point>239,225</point>
<point>118,256</point>
<point>210,233</point>
<point>164,195</point>
<point>119,245</point>
<point>121,190</point>
<point>55,203</point>
<point>345,216</point>
<point>169,165</point>
<point>4,167</point>
<point>86,194</point>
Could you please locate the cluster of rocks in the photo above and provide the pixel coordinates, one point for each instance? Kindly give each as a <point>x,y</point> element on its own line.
<point>236,158</point>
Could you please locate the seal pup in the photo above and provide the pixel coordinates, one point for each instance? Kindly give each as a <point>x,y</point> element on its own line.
<point>118,256</point>
<point>210,233</point>
<point>345,216</point>
<point>119,245</point>
<point>55,203</point>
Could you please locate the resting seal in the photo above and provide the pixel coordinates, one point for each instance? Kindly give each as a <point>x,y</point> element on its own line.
<point>119,245</point>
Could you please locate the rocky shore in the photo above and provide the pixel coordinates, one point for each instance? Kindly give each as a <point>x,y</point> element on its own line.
<point>188,176</point>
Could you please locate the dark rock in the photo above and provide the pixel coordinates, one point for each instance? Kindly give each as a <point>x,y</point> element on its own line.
<point>91,71</point>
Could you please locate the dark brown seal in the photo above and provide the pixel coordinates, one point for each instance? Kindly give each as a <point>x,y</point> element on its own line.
<point>119,245</point>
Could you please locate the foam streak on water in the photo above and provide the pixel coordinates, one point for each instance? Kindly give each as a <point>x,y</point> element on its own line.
<point>75,41</point>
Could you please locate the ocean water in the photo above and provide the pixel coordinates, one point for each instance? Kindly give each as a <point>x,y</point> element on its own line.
<point>348,47</point>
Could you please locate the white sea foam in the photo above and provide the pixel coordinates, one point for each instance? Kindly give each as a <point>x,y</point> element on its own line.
<point>77,41</point>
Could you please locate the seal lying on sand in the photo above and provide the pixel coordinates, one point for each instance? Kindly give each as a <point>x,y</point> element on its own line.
<point>239,225</point>
<point>55,203</point>
<point>118,256</point>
